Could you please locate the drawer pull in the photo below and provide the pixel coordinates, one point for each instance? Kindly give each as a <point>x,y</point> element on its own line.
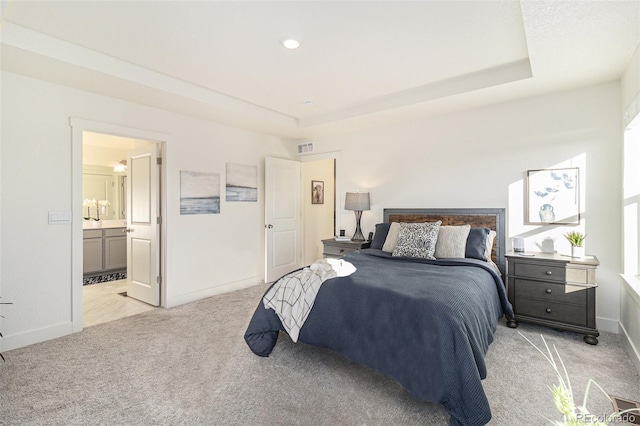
<point>548,310</point>
<point>549,273</point>
<point>548,291</point>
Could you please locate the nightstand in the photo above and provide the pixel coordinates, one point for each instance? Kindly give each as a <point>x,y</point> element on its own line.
<point>335,249</point>
<point>554,290</point>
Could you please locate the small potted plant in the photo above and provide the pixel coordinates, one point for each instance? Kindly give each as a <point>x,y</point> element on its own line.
<point>576,239</point>
<point>88,204</point>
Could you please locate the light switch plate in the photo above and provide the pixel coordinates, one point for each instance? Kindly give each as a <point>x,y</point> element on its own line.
<point>59,218</point>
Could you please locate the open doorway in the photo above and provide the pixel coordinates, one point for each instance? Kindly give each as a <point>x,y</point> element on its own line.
<point>149,217</point>
<point>295,192</point>
<point>104,195</point>
<point>318,206</point>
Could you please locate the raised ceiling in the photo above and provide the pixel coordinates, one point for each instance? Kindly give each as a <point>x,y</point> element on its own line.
<point>361,63</point>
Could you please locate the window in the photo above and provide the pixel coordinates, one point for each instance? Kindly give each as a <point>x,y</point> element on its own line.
<point>631,198</point>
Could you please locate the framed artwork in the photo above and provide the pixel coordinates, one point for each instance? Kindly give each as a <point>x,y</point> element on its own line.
<point>199,193</point>
<point>553,197</point>
<point>242,182</point>
<point>317,192</point>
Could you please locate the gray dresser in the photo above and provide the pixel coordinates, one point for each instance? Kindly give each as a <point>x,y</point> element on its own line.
<point>336,249</point>
<point>554,290</point>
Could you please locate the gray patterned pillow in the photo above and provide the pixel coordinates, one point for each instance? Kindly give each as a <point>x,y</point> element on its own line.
<point>417,240</point>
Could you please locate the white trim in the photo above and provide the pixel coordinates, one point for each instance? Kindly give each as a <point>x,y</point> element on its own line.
<point>118,130</point>
<point>214,291</point>
<point>608,324</point>
<point>632,350</point>
<point>633,286</point>
<point>31,337</point>
<point>78,126</point>
<point>630,289</point>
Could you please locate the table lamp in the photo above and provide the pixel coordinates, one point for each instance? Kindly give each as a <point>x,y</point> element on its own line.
<point>357,201</point>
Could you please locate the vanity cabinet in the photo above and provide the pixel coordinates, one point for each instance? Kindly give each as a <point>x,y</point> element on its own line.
<point>104,250</point>
<point>92,251</point>
<point>115,249</point>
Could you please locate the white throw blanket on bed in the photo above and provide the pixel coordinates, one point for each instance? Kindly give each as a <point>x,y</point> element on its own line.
<point>293,295</point>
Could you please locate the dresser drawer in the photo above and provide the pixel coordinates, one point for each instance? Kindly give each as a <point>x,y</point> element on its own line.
<point>548,291</point>
<point>540,271</point>
<point>552,311</point>
<point>337,250</point>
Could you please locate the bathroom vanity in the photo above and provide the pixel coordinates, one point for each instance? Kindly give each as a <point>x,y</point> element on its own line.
<point>105,248</point>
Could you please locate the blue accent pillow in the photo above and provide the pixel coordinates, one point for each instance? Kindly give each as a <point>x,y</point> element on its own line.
<point>382,229</point>
<point>476,243</point>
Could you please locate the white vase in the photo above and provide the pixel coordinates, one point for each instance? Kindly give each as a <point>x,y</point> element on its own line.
<point>577,252</point>
<point>97,224</point>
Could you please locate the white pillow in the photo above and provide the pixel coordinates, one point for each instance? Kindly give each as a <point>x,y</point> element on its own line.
<point>391,241</point>
<point>452,242</point>
<point>489,249</point>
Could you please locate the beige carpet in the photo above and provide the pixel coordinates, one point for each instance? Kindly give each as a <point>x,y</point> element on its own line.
<point>190,365</point>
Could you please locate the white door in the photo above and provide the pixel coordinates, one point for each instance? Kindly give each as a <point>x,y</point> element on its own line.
<point>143,230</point>
<point>283,218</point>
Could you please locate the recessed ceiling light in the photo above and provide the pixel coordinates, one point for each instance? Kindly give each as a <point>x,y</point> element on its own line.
<point>291,43</point>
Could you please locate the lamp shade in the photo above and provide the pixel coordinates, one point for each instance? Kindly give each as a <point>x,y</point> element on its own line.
<point>357,201</point>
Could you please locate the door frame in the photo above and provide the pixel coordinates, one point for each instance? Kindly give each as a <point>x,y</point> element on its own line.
<point>338,204</point>
<point>78,126</point>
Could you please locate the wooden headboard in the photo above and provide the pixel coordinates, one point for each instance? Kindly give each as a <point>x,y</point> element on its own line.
<point>477,218</point>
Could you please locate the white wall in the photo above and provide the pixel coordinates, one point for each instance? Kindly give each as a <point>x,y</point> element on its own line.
<point>206,254</point>
<point>478,158</point>
<point>318,218</point>
<point>102,156</point>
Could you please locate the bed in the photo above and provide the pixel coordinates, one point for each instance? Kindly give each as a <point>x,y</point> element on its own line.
<point>425,323</point>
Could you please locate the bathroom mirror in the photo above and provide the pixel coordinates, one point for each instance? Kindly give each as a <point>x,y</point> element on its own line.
<point>108,188</point>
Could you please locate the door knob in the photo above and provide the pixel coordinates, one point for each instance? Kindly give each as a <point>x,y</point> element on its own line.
<point>269,226</point>
<point>127,230</point>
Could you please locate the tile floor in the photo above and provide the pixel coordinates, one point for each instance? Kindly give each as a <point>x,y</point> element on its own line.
<point>102,303</point>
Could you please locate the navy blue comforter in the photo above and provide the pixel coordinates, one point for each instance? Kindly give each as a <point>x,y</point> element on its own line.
<point>425,323</point>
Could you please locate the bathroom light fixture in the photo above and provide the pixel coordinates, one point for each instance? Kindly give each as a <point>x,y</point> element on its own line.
<point>291,43</point>
<point>120,167</point>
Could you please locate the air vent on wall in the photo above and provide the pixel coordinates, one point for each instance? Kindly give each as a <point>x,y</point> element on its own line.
<point>305,148</point>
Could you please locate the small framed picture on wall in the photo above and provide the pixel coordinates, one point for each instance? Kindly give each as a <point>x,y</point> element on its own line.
<point>317,192</point>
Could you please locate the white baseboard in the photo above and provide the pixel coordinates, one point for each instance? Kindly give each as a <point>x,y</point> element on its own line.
<point>634,353</point>
<point>212,291</point>
<point>608,324</point>
<point>30,337</point>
